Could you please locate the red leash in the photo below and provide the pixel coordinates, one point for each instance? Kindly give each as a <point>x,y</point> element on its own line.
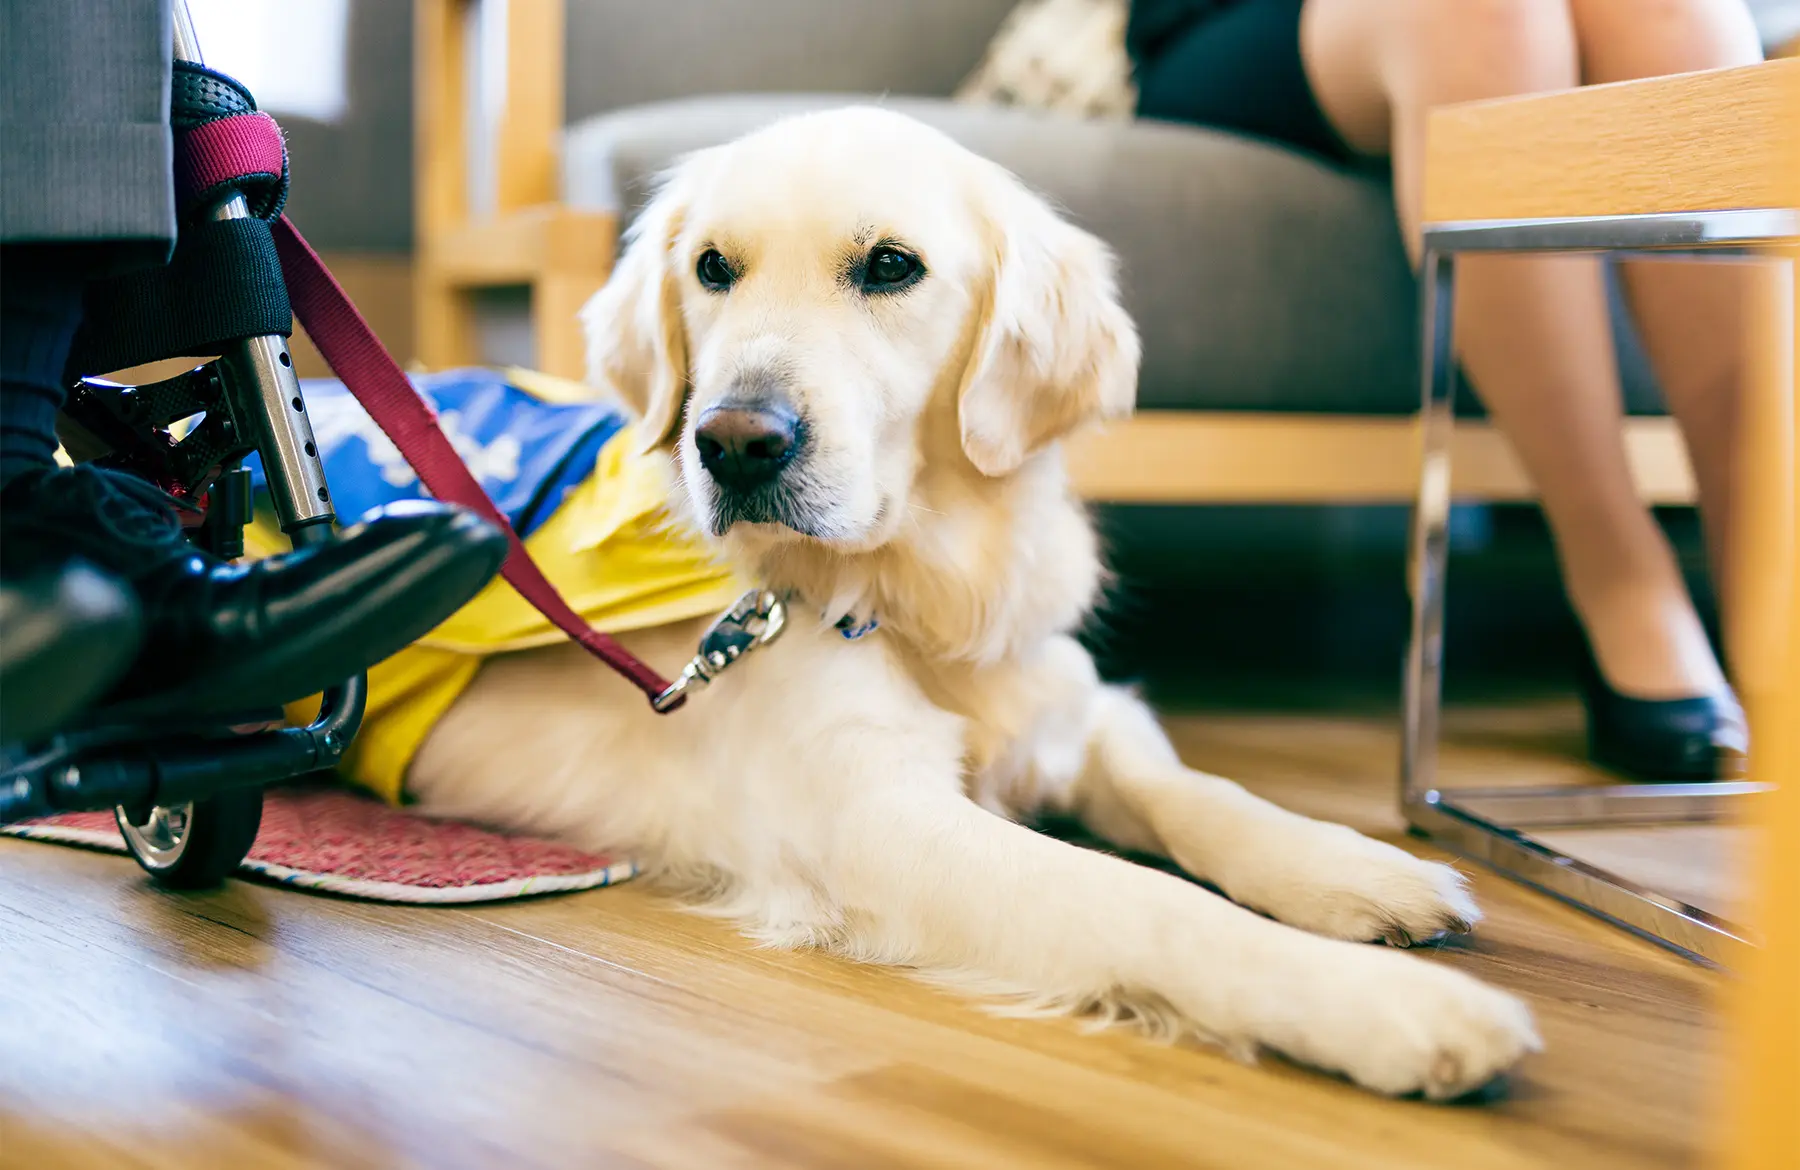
<point>233,149</point>
<point>370,374</point>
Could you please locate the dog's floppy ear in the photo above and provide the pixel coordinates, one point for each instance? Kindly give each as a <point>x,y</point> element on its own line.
<point>1055,349</point>
<point>637,344</point>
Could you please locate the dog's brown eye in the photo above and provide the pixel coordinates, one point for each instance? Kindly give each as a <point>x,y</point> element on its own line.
<point>713,271</point>
<point>889,269</point>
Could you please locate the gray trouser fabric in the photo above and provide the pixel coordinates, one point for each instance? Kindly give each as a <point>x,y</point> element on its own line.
<point>86,155</point>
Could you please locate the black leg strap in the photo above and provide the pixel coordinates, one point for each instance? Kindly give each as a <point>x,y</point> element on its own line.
<point>223,284</point>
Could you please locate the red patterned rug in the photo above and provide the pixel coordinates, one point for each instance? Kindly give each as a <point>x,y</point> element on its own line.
<point>342,842</point>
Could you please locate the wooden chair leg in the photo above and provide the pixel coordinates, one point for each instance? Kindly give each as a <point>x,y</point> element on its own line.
<point>1762,1104</point>
<point>445,320</point>
<point>556,298</point>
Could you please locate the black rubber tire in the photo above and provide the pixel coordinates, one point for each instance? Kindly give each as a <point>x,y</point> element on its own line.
<point>220,831</point>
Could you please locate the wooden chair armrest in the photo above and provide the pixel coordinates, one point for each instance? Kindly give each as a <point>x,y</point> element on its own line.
<point>1717,140</point>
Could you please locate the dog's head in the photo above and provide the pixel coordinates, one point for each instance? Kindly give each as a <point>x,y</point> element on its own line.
<point>812,313</point>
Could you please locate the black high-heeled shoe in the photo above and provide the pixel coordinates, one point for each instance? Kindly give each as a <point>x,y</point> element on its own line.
<point>1671,741</point>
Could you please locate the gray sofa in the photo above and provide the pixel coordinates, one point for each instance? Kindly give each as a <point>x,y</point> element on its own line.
<point>1262,279</point>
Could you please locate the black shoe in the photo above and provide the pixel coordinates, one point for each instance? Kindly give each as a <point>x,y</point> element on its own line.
<point>66,634</point>
<point>243,637</point>
<point>1693,740</point>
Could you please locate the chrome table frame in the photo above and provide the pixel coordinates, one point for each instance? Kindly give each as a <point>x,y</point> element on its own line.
<point>1492,825</point>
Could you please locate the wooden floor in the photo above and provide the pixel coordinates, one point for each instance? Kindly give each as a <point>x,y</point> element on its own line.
<point>257,1027</point>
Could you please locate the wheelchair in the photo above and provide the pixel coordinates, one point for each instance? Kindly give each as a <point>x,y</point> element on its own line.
<point>187,794</point>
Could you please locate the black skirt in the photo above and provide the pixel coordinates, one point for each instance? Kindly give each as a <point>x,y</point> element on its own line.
<point>1230,64</point>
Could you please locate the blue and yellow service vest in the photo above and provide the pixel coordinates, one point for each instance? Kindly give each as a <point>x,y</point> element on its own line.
<point>568,474</point>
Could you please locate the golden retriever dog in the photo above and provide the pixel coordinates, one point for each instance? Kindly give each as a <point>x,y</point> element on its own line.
<point>858,347</point>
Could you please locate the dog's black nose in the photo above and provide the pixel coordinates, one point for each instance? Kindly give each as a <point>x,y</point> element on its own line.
<point>744,447</point>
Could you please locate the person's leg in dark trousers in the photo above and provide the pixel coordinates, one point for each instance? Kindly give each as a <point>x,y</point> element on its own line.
<point>38,316</point>
<point>86,187</point>
<point>87,190</point>
<point>86,169</point>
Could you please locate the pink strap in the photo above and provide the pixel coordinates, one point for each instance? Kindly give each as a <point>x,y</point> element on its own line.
<point>408,420</point>
<point>230,148</point>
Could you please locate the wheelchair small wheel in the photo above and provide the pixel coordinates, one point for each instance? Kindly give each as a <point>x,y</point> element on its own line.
<point>194,846</point>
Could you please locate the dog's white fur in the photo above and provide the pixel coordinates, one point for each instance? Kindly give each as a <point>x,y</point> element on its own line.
<point>860,795</point>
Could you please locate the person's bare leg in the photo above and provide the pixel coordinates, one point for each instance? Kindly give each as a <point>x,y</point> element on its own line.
<point>1692,316</point>
<point>1533,333</point>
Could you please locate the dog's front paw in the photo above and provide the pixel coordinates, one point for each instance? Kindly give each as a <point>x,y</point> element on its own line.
<point>1344,885</point>
<point>1401,1025</point>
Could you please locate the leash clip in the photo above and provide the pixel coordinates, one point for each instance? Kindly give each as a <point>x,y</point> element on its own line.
<point>756,620</point>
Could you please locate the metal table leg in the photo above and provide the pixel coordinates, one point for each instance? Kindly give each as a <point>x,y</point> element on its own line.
<point>1429,553</point>
<point>1489,824</point>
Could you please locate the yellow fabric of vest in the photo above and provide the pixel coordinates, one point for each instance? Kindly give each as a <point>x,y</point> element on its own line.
<point>610,549</point>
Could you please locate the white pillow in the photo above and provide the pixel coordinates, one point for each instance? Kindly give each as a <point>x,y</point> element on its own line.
<point>1062,55</point>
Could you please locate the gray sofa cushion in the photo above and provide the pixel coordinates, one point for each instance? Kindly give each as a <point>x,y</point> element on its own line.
<point>1260,278</point>
<point>627,52</point>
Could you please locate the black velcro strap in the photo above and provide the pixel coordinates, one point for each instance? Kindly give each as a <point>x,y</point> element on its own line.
<point>223,284</point>
<point>198,95</point>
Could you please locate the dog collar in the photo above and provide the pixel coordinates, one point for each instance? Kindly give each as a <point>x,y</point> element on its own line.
<point>850,624</point>
<point>756,620</point>
<point>853,626</point>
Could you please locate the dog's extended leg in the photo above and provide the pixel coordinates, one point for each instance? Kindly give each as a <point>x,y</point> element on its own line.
<point>1326,878</point>
<point>926,879</point>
